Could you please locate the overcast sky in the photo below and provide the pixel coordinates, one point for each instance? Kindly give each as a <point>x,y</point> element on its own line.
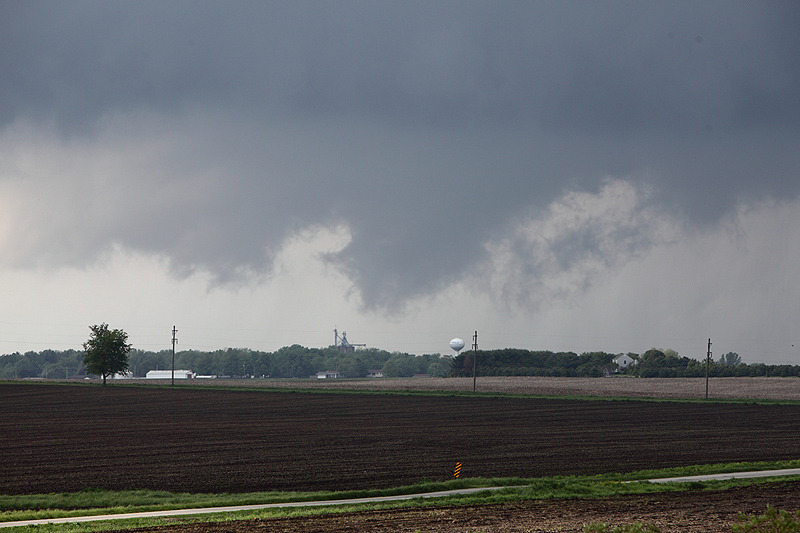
<point>556,175</point>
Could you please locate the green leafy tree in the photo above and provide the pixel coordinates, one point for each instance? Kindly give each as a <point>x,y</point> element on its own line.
<point>439,368</point>
<point>669,353</point>
<point>27,367</point>
<point>731,359</point>
<point>106,351</point>
<point>231,363</point>
<point>293,361</point>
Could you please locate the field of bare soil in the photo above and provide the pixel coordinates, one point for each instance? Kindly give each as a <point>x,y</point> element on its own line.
<point>58,438</point>
<point>69,437</point>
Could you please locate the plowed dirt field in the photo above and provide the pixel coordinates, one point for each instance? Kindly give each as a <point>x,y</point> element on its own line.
<point>66,438</point>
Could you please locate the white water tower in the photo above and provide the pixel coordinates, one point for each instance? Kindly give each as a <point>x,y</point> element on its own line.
<point>457,344</point>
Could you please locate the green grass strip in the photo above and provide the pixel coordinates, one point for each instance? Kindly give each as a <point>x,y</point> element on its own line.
<point>97,502</point>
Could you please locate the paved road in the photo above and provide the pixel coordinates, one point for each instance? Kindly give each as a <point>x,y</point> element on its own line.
<point>729,475</point>
<point>206,510</point>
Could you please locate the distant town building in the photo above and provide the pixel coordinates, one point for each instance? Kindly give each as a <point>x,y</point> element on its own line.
<point>342,344</point>
<point>374,373</point>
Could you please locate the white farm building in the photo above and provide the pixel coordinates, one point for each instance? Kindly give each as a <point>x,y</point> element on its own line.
<point>623,361</point>
<point>330,374</point>
<point>167,374</point>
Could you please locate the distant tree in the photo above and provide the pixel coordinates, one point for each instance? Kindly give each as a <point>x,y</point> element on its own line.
<point>670,353</point>
<point>106,351</point>
<point>653,354</point>
<point>27,367</point>
<point>439,368</point>
<point>205,364</point>
<point>391,369</point>
<point>231,363</point>
<point>730,359</point>
<point>293,361</point>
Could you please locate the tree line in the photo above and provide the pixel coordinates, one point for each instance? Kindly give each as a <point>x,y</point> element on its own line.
<point>300,362</point>
<point>653,363</point>
<point>656,363</point>
<point>518,362</point>
<point>288,362</point>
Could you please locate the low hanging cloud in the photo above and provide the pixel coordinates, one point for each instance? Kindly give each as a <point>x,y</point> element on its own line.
<point>574,244</point>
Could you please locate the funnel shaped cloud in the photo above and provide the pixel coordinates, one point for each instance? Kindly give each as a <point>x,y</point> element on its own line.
<point>573,244</point>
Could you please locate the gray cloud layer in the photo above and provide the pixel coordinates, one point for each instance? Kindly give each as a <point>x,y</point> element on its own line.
<point>427,127</point>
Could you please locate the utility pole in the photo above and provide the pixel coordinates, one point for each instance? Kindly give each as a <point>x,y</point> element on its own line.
<point>174,342</point>
<point>708,364</point>
<point>474,361</point>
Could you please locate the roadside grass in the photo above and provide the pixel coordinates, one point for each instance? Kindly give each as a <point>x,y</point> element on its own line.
<point>96,502</point>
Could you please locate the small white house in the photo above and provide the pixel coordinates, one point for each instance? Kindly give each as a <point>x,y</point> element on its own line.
<point>167,374</point>
<point>328,374</point>
<point>623,361</point>
<point>375,373</point>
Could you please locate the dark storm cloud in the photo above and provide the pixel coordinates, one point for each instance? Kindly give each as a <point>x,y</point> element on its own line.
<point>426,127</point>
<point>612,67</point>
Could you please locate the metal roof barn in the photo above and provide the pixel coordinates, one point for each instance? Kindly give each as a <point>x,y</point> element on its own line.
<point>167,374</point>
